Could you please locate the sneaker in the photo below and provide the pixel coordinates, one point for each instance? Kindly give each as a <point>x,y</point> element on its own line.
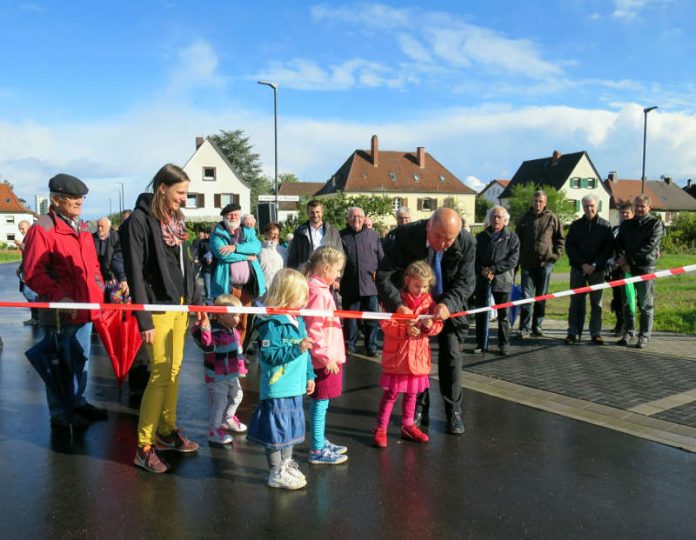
<point>326,457</point>
<point>379,439</point>
<point>293,469</point>
<point>504,350</point>
<point>479,350</point>
<point>569,340</point>
<point>150,461</point>
<point>284,479</point>
<point>335,448</point>
<point>30,322</point>
<point>92,413</point>
<point>412,433</point>
<point>219,436</point>
<point>176,441</point>
<point>234,425</point>
<point>642,342</point>
<point>523,334</point>
<point>625,341</point>
<point>537,332</point>
<point>597,340</point>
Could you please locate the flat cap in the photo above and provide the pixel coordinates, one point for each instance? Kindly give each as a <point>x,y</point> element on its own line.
<point>232,207</point>
<point>66,184</point>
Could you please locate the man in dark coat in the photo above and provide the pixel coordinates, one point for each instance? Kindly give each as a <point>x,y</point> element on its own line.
<point>363,252</point>
<point>108,246</point>
<point>310,235</point>
<point>589,245</point>
<point>541,244</point>
<point>497,252</point>
<point>638,248</point>
<point>438,239</point>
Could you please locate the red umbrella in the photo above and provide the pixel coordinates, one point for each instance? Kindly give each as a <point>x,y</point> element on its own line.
<point>121,338</point>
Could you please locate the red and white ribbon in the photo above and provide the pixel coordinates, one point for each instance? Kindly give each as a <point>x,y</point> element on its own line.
<point>344,314</point>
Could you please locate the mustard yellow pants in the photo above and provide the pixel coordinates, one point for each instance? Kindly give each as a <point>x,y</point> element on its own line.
<point>158,407</point>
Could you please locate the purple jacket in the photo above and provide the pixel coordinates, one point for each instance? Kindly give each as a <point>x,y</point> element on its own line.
<point>363,252</point>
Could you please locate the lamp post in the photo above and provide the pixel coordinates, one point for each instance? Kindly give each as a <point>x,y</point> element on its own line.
<point>121,199</point>
<point>274,86</point>
<point>110,212</point>
<point>645,138</point>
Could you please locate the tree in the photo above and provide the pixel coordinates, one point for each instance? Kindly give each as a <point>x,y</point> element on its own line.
<point>335,208</point>
<point>521,200</point>
<point>236,148</point>
<point>289,178</point>
<point>483,205</point>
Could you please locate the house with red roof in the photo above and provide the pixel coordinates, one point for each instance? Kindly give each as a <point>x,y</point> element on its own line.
<point>415,180</point>
<point>493,190</point>
<point>290,209</point>
<point>12,211</point>
<point>668,199</point>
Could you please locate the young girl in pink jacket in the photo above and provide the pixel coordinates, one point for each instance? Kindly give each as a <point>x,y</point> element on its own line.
<point>406,355</point>
<point>328,351</point>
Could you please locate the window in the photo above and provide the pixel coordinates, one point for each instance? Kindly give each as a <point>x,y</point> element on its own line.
<point>9,219</point>
<point>590,183</point>
<point>195,200</point>
<point>427,205</point>
<point>416,177</point>
<point>392,176</point>
<point>575,183</point>
<point>10,237</point>
<point>397,202</point>
<point>223,199</point>
<point>209,174</point>
<point>442,178</point>
<point>449,202</point>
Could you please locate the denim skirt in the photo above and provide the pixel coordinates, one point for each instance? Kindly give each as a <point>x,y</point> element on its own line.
<point>278,422</point>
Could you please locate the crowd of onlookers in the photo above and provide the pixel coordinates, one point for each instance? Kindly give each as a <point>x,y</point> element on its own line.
<point>431,268</point>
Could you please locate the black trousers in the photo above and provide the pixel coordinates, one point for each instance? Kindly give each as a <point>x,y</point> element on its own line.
<point>449,371</point>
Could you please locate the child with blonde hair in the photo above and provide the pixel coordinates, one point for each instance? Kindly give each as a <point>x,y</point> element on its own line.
<point>223,359</point>
<point>278,422</point>
<point>406,355</point>
<point>328,352</point>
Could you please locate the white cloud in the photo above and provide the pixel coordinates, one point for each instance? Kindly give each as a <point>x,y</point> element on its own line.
<point>196,66</point>
<point>304,74</point>
<point>413,48</point>
<point>630,10</point>
<point>474,183</point>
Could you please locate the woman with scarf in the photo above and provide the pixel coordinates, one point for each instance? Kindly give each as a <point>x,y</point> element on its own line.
<point>160,271</point>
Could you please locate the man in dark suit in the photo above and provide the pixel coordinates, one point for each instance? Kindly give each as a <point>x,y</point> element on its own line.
<point>439,239</point>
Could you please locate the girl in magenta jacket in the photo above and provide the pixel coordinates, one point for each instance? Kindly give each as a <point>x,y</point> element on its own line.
<point>328,351</point>
<point>406,355</point>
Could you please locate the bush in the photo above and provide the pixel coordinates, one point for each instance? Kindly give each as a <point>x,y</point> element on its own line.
<point>681,236</point>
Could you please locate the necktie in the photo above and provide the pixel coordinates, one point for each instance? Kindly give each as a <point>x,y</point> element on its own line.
<point>437,268</point>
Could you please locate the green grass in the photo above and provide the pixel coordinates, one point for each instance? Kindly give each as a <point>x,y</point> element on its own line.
<point>10,255</point>
<point>675,297</point>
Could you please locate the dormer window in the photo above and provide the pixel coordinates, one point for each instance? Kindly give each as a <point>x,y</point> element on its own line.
<point>392,176</point>
<point>209,174</point>
<point>416,177</point>
<point>442,178</point>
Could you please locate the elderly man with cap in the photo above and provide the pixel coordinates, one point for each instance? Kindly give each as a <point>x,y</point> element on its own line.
<point>61,265</point>
<point>237,271</point>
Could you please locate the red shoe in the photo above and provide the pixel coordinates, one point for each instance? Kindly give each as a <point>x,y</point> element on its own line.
<point>379,439</point>
<point>412,433</point>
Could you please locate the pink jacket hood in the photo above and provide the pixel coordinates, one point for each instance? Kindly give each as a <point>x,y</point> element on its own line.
<point>326,333</point>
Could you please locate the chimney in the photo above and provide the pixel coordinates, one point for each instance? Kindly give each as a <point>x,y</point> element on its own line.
<point>420,153</point>
<point>555,157</point>
<point>668,180</point>
<point>199,142</point>
<point>688,183</point>
<point>375,151</point>
<point>613,176</point>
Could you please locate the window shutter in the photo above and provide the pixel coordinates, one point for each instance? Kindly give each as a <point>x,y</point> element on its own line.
<point>577,206</point>
<point>420,204</point>
<point>433,204</point>
<point>217,203</point>
<point>200,200</point>
<point>235,198</point>
<point>600,206</point>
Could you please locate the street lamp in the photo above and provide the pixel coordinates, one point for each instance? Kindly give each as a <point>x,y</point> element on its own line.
<point>645,138</point>
<point>121,204</point>
<point>110,212</point>
<point>275,117</point>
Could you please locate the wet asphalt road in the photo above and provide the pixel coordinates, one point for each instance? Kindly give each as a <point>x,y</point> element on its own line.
<point>516,473</point>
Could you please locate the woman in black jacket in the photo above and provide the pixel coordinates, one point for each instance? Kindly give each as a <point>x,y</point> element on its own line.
<point>160,271</point>
<point>497,253</point>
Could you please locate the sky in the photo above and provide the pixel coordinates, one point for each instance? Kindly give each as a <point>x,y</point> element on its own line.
<point>109,92</point>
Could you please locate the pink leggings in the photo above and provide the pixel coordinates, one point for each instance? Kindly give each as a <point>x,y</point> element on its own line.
<point>408,408</point>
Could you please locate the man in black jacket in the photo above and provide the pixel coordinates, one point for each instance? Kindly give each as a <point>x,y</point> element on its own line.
<point>638,247</point>
<point>589,245</point>
<point>108,246</point>
<point>310,235</point>
<point>439,238</point>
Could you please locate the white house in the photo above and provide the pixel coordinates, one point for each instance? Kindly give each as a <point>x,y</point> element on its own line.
<point>574,175</point>
<point>493,190</point>
<point>11,213</point>
<point>214,184</point>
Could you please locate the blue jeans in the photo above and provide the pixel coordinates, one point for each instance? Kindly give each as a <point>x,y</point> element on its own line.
<point>535,282</point>
<point>207,276</point>
<point>369,327</point>
<point>83,333</point>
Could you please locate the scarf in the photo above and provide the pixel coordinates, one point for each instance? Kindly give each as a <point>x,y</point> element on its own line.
<point>174,233</point>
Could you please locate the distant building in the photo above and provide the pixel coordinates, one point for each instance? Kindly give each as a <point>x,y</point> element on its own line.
<point>572,174</point>
<point>493,190</point>
<point>41,204</point>
<point>668,199</point>
<point>214,184</point>
<point>306,190</point>
<point>415,180</point>
<point>12,211</point>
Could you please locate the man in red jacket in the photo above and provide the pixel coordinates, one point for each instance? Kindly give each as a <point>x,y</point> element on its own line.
<point>61,265</point>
